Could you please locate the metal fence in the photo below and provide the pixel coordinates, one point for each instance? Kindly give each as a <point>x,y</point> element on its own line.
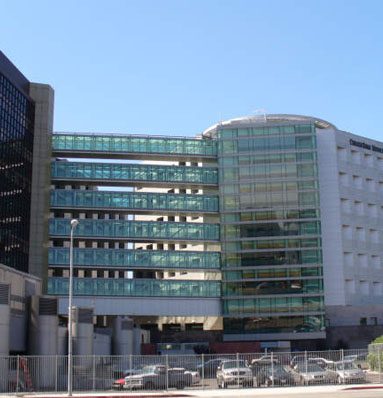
<point>162,372</point>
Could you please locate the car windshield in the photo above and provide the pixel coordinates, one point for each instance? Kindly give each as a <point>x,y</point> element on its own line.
<point>234,364</point>
<point>346,366</point>
<point>277,370</point>
<point>309,368</point>
<point>148,369</point>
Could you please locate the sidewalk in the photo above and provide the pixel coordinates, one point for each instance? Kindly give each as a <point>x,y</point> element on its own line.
<point>243,392</point>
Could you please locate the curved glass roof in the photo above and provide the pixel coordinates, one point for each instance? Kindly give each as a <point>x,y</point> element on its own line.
<point>254,120</point>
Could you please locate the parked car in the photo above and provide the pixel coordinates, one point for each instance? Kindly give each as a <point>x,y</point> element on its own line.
<point>118,384</point>
<point>322,362</point>
<point>312,373</point>
<point>275,375</point>
<point>196,378</point>
<point>159,377</point>
<point>233,372</point>
<point>297,359</point>
<point>360,360</point>
<point>262,363</point>
<point>209,368</point>
<point>348,372</point>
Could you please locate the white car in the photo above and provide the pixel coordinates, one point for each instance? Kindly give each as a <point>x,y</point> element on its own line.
<point>311,373</point>
<point>348,372</point>
<point>233,372</point>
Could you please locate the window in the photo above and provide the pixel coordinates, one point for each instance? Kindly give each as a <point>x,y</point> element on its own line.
<point>355,156</point>
<point>368,159</point>
<point>350,286</point>
<point>346,232</point>
<point>362,260</point>
<point>375,261</point>
<point>348,259</point>
<point>342,153</point>
<point>374,236</point>
<point>360,233</point>
<point>345,205</point>
<point>357,182</point>
<point>364,288</point>
<point>343,178</point>
<point>370,184</point>
<point>377,288</point>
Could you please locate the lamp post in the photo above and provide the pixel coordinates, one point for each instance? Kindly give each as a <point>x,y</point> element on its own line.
<point>73,225</point>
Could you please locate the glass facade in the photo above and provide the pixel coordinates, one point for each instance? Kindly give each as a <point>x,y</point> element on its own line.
<point>16,149</point>
<point>133,200</point>
<point>133,144</point>
<point>136,230</point>
<point>134,287</point>
<point>109,172</point>
<point>146,259</point>
<point>270,229</point>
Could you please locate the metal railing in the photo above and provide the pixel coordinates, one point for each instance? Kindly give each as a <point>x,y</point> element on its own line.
<point>206,371</point>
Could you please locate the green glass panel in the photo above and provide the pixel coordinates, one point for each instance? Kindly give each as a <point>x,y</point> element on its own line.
<point>123,258</point>
<point>132,144</point>
<point>133,200</point>
<point>89,228</point>
<point>134,287</point>
<point>133,172</point>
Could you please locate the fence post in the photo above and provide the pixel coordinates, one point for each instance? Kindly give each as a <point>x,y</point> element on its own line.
<point>167,372</point>
<point>56,373</point>
<point>17,373</point>
<point>203,369</point>
<point>342,358</point>
<point>272,368</point>
<point>380,363</point>
<point>237,358</point>
<point>94,372</point>
<point>306,366</point>
<point>131,369</point>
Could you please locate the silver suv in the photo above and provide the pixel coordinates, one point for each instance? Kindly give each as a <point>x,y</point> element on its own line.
<point>234,372</point>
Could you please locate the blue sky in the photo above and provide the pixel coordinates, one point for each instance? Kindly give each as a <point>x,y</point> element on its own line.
<point>177,67</point>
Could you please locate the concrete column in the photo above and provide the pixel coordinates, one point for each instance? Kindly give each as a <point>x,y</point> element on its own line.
<point>43,95</point>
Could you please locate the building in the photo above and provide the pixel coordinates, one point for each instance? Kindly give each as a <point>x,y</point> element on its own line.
<point>351,193</point>
<point>262,229</point>
<point>26,121</point>
<point>230,236</point>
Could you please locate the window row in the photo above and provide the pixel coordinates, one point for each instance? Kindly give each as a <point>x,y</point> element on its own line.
<point>360,157</point>
<point>359,182</point>
<point>272,305</point>
<point>362,260</point>
<point>242,173</point>
<point>361,233</point>
<point>357,207</point>
<point>364,287</point>
<point>285,287</point>
<point>283,257</point>
<point>274,324</point>
<point>266,158</point>
<point>273,273</point>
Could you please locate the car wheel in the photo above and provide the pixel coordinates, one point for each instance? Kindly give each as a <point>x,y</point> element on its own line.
<point>149,386</point>
<point>181,385</point>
